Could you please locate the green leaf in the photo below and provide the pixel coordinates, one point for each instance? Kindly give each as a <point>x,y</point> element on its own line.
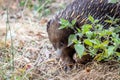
<point>100,27</point>
<point>96,21</point>
<point>106,53</point>
<point>109,21</point>
<point>78,30</point>
<point>62,27</point>
<point>88,42</point>
<point>108,32</point>
<point>71,39</point>
<point>95,41</point>
<point>110,50</point>
<point>91,18</point>
<point>113,1</point>
<point>104,44</point>
<point>117,29</point>
<point>64,23</point>
<point>86,28</point>
<point>79,49</point>
<point>105,33</point>
<point>89,34</point>
<point>79,34</point>
<point>98,57</point>
<point>73,22</point>
<point>118,54</point>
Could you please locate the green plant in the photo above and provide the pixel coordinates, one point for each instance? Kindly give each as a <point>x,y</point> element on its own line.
<point>39,6</point>
<point>100,43</point>
<point>42,7</point>
<point>113,1</point>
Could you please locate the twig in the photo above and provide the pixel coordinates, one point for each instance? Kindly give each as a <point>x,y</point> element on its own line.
<point>12,48</point>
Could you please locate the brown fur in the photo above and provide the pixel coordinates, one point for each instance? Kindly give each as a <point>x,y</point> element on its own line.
<point>78,10</point>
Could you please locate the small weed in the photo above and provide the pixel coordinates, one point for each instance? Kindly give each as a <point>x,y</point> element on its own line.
<point>100,43</point>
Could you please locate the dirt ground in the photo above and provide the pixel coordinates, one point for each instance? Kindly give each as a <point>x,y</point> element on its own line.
<point>34,56</point>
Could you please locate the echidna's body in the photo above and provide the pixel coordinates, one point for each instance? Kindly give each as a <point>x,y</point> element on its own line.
<point>79,10</point>
<point>99,9</point>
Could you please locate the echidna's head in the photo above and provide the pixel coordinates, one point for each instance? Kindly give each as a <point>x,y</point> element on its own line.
<point>58,37</point>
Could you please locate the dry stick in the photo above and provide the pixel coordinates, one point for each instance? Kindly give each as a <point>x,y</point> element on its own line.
<point>11,50</point>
